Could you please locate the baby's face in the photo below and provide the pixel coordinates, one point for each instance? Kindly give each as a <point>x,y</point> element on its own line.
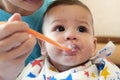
<point>70,26</point>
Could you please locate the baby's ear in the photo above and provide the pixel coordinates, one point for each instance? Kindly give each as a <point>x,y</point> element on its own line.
<point>94,46</point>
<point>42,47</point>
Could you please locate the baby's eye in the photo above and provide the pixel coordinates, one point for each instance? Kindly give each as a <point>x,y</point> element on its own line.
<point>82,29</point>
<point>60,28</point>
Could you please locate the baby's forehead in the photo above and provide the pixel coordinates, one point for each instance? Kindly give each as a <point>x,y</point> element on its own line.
<point>63,5</point>
<point>67,2</point>
<point>76,11</point>
<point>80,6</point>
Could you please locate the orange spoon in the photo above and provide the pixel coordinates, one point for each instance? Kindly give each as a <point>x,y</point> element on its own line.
<point>41,36</point>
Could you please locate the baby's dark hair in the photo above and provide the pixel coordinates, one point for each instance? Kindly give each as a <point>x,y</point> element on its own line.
<point>68,2</point>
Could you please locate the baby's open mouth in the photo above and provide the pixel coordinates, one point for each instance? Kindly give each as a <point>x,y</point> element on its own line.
<point>74,48</point>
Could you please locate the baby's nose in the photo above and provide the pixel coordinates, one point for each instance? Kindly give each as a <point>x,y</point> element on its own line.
<point>70,38</point>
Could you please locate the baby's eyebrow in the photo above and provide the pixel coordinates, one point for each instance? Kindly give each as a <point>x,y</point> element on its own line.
<point>82,21</point>
<point>58,20</point>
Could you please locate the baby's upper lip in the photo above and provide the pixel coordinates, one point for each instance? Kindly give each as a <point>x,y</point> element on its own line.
<point>74,48</point>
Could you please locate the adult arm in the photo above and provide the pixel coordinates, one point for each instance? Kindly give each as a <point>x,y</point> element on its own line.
<point>15,46</point>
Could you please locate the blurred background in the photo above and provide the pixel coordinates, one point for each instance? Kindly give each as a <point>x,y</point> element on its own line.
<point>106,14</point>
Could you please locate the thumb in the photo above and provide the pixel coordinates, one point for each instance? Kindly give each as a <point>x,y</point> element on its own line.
<point>15,17</point>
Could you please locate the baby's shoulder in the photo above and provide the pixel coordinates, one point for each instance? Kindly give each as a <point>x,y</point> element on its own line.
<point>109,70</point>
<point>110,65</point>
<point>38,61</point>
<point>32,69</point>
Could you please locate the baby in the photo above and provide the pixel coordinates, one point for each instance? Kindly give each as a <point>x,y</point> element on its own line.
<point>70,23</point>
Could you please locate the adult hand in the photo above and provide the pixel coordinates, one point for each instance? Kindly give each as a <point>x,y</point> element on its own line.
<point>15,46</point>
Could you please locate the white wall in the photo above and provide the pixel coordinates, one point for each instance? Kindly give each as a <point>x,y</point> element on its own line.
<point>106,15</point>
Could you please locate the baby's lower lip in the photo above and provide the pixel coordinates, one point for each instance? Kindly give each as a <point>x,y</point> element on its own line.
<point>72,52</point>
<point>74,49</point>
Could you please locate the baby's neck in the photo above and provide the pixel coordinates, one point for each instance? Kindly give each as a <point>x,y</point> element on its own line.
<point>62,68</point>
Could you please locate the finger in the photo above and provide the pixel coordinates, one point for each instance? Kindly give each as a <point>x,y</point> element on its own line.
<point>9,28</point>
<point>13,41</point>
<point>15,17</point>
<point>21,59</point>
<point>25,47</point>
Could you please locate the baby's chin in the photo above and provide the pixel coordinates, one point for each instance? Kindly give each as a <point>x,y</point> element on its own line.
<point>75,64</point>
<point>71,64</point>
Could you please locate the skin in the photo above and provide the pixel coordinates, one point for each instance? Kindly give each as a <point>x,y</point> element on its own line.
<point>15,43</point>
<point>69,25</point>
<point>24,7</point>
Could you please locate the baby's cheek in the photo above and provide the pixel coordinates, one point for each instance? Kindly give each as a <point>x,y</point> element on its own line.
<point>50,47</point>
